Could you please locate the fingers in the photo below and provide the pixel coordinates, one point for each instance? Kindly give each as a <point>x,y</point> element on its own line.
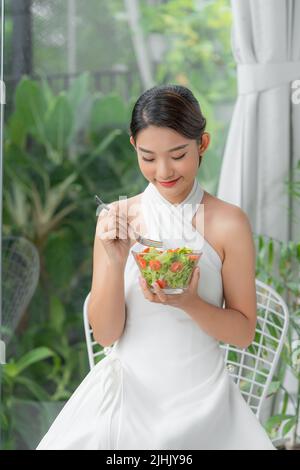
<point>146,291</point>
<point>131,232</point>
<point>193,286</point>
<point>112,225</point>
<point>107,235</point>
<point>112,230</point>
<point>158,296</point>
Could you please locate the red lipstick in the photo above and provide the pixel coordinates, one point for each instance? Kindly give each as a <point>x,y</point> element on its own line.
<point>169,183</point>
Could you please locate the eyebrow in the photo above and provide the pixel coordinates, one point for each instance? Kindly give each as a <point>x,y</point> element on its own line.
<point>170,150</point>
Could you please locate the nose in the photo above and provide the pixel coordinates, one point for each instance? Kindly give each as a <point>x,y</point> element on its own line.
<point>164,170</point>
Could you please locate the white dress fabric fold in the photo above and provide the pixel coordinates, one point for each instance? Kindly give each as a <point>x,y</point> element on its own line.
<point>164,385</point>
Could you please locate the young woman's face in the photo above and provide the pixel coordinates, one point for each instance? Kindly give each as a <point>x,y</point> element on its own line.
<point>160,160</point>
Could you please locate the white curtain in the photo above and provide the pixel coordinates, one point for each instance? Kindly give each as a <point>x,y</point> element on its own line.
<point>263,144</point>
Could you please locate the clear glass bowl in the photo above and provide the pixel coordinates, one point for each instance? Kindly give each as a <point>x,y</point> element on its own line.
<point>172,268</point>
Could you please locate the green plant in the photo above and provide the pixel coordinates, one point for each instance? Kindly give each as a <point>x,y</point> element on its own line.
<point>59,151</point>
<point>44,381</point>
<point>198,44</point>
<point>278,264</point>
<point>15,379</point>
<point>198,55</point>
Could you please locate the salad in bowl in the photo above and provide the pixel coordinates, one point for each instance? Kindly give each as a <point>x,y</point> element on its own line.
<point>171,268</point>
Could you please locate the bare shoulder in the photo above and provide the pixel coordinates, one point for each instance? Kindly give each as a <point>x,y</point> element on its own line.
<point>235,231</point>
<point>223,224</point>
<point>236,228</point>
<point>225,216</point>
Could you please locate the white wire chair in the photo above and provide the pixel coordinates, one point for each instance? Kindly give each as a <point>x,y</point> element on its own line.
<point>21,269</point>
<point>95,351</point>
<point>251,368</point>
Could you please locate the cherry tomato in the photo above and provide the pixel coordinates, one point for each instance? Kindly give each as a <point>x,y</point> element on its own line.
<point>162,283</point>
<point>155,265</point>
<point>176,266</point>
<point>193,257</point>
<point>142,262</point>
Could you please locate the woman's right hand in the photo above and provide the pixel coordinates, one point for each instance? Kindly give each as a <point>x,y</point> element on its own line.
<point>115,233</point>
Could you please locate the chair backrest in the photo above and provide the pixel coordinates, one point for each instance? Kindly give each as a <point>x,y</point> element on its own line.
<point>20,275</point>
<point>95,351</point>
<point>252,368</point>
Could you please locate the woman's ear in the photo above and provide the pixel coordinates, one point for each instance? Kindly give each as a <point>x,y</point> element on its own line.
<point>205,140</point>
<point>132,141</point>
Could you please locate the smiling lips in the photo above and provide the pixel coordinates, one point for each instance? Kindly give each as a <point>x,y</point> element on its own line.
<point>169,183</point>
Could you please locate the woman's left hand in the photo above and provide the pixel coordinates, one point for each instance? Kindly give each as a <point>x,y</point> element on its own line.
<point>176,300</point>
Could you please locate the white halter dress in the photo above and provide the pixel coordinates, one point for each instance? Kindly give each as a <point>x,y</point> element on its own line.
<point>164,385</point>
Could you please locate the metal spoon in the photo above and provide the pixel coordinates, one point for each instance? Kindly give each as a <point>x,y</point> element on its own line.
<point>139,238</point>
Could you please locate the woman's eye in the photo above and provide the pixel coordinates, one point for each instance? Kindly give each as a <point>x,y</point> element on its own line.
<point>178,158</point>
<point>151,160</point>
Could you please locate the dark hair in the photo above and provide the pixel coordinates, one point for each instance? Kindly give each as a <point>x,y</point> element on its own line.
<point>172,106</point>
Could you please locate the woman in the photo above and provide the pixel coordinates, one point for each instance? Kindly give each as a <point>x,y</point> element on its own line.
<point>164,384</point>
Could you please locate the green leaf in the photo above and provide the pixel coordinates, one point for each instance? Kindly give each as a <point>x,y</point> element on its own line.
<point>99,149</point>
<point>78,91</point>
<point>285,402</point>
<point>10,370</point>
<point>4,422</point>
<point>233,356</point>
<point>294,286</point>
<point>260,242</point>
<point>108,111</point>
<point>57,313</point>
<point>58,126</point>
<point>47,92</point>
<point>32,106</point>
<point>270,252</point>
<point>59,258</point>
<point>16,129</point>
<point>56,194</point>
<point>298,251</point>
<point>23,166</point>
<point>17,205</point>
<point>32,357</point>
<point>289,425</point>
<point>275,421</point>
<point>80,101</point>
<point>37,391</point>
<point>273,388</point>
